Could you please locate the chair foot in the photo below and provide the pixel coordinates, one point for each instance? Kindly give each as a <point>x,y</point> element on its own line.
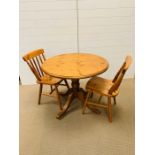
<point>40,92</point>
<point>109,109</point>
<point>83,112</point>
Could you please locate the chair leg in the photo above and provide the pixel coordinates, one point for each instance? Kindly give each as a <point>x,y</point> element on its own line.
<point>66,84</point>
<point>40,91</point>
<point>51,89</point>
<point>109,109</point>
<point>114,99</point>
<point>58,97</point>
<point>85,103</point>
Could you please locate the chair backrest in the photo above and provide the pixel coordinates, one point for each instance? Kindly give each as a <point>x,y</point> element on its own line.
<point>120,74</point>
<point>34,59</point>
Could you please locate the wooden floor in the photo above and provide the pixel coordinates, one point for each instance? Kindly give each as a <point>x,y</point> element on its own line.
<point>76,134</point>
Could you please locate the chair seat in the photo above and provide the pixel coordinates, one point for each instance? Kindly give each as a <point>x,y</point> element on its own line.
<point>101,86</point>
<point>46,79</point>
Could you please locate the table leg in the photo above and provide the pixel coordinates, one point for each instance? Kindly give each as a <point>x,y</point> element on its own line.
<point>74,92</point>
<point>66,106</point>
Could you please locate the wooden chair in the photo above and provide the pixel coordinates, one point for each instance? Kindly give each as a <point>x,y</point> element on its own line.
<point>104,87</point>
<point>34,59</point>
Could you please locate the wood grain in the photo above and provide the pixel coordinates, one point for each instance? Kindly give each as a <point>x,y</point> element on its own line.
<point>75,65</point>
<point>106,87</point>
<point>34,59</point>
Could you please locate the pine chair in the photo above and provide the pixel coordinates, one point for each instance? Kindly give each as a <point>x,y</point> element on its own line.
<point>104,87</point>
<point>34,59</point>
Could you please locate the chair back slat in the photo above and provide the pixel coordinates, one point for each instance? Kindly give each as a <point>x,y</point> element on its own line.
<point>30,64</point>
<point>120,74</point>
<point>39,65</point>
<point>43,56</point>
<point>36,66</point>
<point>40,59</point>
<point>35,63</point>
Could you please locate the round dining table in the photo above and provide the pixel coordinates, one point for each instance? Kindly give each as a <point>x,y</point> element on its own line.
<point>74,66</point>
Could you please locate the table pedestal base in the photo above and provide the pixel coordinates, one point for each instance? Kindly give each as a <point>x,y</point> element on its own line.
<point>74,92</point>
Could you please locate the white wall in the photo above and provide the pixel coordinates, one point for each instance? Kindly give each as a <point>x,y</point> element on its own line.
<point>105,28</point>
